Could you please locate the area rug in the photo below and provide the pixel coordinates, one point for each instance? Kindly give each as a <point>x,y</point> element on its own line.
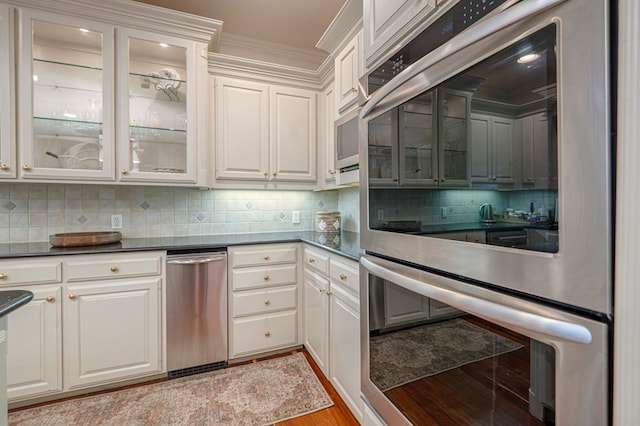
<point>260,393</point>
<point>404,356</point>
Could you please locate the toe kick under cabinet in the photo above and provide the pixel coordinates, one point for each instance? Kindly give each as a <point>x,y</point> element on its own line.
<point>95,320</point>
<point>263,299</point>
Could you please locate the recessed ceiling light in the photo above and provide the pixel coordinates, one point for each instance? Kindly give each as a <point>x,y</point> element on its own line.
<point>530,57</point>
<point>164,45</point>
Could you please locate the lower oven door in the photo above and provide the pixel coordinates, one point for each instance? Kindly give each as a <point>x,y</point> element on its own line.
<point>436,351</point>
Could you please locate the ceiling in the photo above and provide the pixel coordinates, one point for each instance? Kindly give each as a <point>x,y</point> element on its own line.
<point>292,23</point>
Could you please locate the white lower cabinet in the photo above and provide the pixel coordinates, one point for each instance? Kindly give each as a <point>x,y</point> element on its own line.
<point>112,331</point>
<point>78,333</point>
<point>332,321</point>
<point>34,357</point>
<point>263,299</point>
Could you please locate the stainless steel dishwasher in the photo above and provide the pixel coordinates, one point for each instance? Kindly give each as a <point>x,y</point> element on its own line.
<point>196,312</point>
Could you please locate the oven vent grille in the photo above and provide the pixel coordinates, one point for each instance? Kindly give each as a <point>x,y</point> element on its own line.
<point>196,370</point>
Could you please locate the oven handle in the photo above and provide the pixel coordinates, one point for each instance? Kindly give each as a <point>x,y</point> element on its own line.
<point>533,323</point>
<point>492,24</point>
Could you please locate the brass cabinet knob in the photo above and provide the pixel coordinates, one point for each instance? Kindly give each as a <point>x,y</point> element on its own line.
<point>321,290</point>
<point>72,296</point>
<point>4,167</point>
<point>3,276</point>
<point>267,258</point>
<point>266,174</point>
<point>312,260</point>
<point>329,293</point>
<point>267,278</point>
<point>266,333</point>
<point>124,171</point>
<point>50,299</point>
<point>114,269</point>
<point>354,90</point>
<point>343,277</point>
<point>332,172</point>
<point>274,174</point>
<point>441,180</point>
<point>267,302</point>
<point>26,167</point>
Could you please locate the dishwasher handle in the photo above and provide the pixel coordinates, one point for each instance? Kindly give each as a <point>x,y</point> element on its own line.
<point>196,260</point>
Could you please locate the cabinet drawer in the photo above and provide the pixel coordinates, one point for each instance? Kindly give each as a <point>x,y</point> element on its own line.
<point>264,332</point>
<point>262,255</point>
<point>247,278</point>
<point>263,301</point>
<point>345,274</point>
<point>30,272</point>
<point>317,261</point>
<point>86,268</point>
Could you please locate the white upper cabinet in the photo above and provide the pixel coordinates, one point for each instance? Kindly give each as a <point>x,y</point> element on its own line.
<point>348,70</point>
<point>492,149</point>
<point>7,81</point>
<point>107,97</point>
<point>327,144</point>
<point>264,133</point>
<point>66,119</point>
<point>386,22</point>
<point>157,93</point>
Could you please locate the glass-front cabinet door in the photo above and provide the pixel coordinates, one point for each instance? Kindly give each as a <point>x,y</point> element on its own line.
<point>455,111</point>
<point>7,116</point>
<point>418,141</point>
<point>66,118</point>
<point>156,104</point>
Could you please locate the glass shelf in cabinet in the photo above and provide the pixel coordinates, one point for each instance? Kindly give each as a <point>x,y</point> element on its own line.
<point>67,128</point>
<point>157,135</point>
<point>66,75</point>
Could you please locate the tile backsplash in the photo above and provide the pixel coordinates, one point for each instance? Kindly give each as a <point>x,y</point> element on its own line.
<point>32,212</point>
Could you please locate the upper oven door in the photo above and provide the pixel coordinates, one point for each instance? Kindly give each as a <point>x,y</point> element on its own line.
<point>513,112</point>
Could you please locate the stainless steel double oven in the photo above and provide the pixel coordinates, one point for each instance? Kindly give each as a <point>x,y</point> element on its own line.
<point>507,321</point>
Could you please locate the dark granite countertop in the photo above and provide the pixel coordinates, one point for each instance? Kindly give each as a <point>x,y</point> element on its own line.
<point>10,300</point>
<point>349,244</point>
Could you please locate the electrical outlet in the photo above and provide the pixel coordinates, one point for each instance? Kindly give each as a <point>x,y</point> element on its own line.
<point>446,212</point>
<point>380,214</point>
<point>295,217</point>
<point>116,221</point>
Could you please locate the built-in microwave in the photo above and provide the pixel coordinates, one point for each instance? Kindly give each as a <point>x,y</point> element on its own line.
<point>347,130</point>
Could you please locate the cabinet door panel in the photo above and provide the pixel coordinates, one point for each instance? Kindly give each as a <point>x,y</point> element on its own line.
<point>7,81</point>
<point>263,333</point>
<point>113,331</point>
<point>480,140</point>
<point>503,149</point>
<point>316,314</point>
<point>69,133</point>
<point>34,358</point>
<point>242,130</point>
<point>293,134</point>
<point>157,98</point>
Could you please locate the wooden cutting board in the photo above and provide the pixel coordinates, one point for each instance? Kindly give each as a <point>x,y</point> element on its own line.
<point>76,239</point>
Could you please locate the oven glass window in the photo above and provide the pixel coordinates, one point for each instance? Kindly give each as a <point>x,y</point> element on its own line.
<point>474,158</point>
<point>438,365</point>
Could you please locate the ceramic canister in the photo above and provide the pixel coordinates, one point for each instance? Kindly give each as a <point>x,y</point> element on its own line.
<point>328,222</point>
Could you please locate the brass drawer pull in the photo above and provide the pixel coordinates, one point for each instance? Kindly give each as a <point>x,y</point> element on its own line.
<point>50,299</point>
<point>343,277</point>
<point>267,258</point>
<point>312,260</point>
<point>321,290</point>
<point>3,276</point>
<point>329,293</point>
<point>4,167</point>
<point>267,302</point>
<point>72,296</point>
<point>114,269</point>
<point>266,333</point>
<point>267,278</point>
<point>26,168</point>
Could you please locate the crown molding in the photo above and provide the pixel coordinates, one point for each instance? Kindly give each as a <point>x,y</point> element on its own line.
<point>249,47</point>
<point>135,15</point>
<point>344,26</point>
<point>221,64</point>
